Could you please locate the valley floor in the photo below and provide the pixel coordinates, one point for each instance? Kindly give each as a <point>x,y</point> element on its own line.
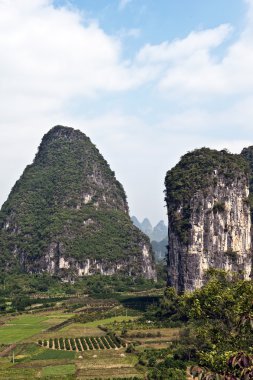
<point>58,344</point>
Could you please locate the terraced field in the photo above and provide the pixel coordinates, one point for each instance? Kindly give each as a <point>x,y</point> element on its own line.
<point>54,345</point>
<point>31,349</point>
<point>104,342</point>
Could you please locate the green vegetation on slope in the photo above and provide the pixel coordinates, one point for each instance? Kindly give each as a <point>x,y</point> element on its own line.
<point>67,202</point>
<point>195,172</point>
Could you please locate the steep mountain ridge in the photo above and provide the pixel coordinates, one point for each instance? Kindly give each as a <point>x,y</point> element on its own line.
<point>207,196</point>
<point>68,214</point>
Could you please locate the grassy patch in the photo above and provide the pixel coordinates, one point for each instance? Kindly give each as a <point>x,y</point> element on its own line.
<point>59,370</point>
<point>25,326</point>
<point>54,354</point>
<point>17,373</point>
<point>107,321</point>
<point>79,329</point>
<point>21,327</point>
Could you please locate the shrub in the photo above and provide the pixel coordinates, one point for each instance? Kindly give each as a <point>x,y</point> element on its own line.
<point>89,343</point>
<point>56,343</point>
<point>61,343</point>
<point>72,343</point>
<point>78,345</point>
<point>115,339</point>
<point>109,340</point>
<point>83,343</point>
<point>94,342</point>
<point>67,345</point>
<point>101,346</point>
<point>105,343</point>
<point>130,349</point>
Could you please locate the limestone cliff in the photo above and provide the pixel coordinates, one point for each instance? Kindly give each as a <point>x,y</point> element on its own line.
<point>207,197</point>
<point>68,215</point>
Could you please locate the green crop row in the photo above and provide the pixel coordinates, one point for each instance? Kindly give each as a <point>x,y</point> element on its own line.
<point>83,343</point>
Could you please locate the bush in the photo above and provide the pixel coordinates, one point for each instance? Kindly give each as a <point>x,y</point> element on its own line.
<point>130,349</point>
<point>166,373</point>
<point>115,339</point>
<point>83,343</point>
<point>72,343</point>
<point>94,342</point>
<point>78,345</point>
<point>61,343</point>
<point>109,340</point>
<point>101,346</point>
<point>105,343</point>
<point>56,343</point>
<point>89,343</point>
<point>172,363</point>
<point>67,345</point>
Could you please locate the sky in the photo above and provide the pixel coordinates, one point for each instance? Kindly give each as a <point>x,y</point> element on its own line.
<point>146,80</point>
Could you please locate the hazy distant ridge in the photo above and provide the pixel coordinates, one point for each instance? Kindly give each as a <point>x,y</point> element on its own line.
<point>158,235</point>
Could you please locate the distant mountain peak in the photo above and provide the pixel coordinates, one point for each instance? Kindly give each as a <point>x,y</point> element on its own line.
<point>158,233</point>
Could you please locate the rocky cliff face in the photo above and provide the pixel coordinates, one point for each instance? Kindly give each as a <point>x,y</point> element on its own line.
<point>68,215</point>
<point>207,196</point>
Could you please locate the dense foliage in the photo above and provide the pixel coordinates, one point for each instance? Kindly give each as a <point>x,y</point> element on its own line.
<point>69,204</point>
<point>197,171</point>
<point>19,292</point>
<point>219,319</point>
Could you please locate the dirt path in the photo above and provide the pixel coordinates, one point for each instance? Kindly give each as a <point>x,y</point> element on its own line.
<point>7,350</point>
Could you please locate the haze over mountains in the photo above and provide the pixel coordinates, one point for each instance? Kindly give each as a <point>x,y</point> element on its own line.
<point>158,235</point>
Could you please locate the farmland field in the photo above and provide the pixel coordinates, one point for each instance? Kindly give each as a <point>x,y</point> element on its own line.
<point>55,345</point>
<point>26,325</point>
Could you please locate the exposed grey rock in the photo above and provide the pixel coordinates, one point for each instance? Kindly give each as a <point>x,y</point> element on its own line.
<point>68,215</point>
<point>218,233</point>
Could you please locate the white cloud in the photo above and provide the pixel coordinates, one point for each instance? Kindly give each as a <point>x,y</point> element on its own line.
<point>48,56</point>
<point>51,57</point>
<point>191,68</point>
<point>170,52</point>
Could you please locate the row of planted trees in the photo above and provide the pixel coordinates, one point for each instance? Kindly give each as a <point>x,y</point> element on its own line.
<point>109,341</point>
